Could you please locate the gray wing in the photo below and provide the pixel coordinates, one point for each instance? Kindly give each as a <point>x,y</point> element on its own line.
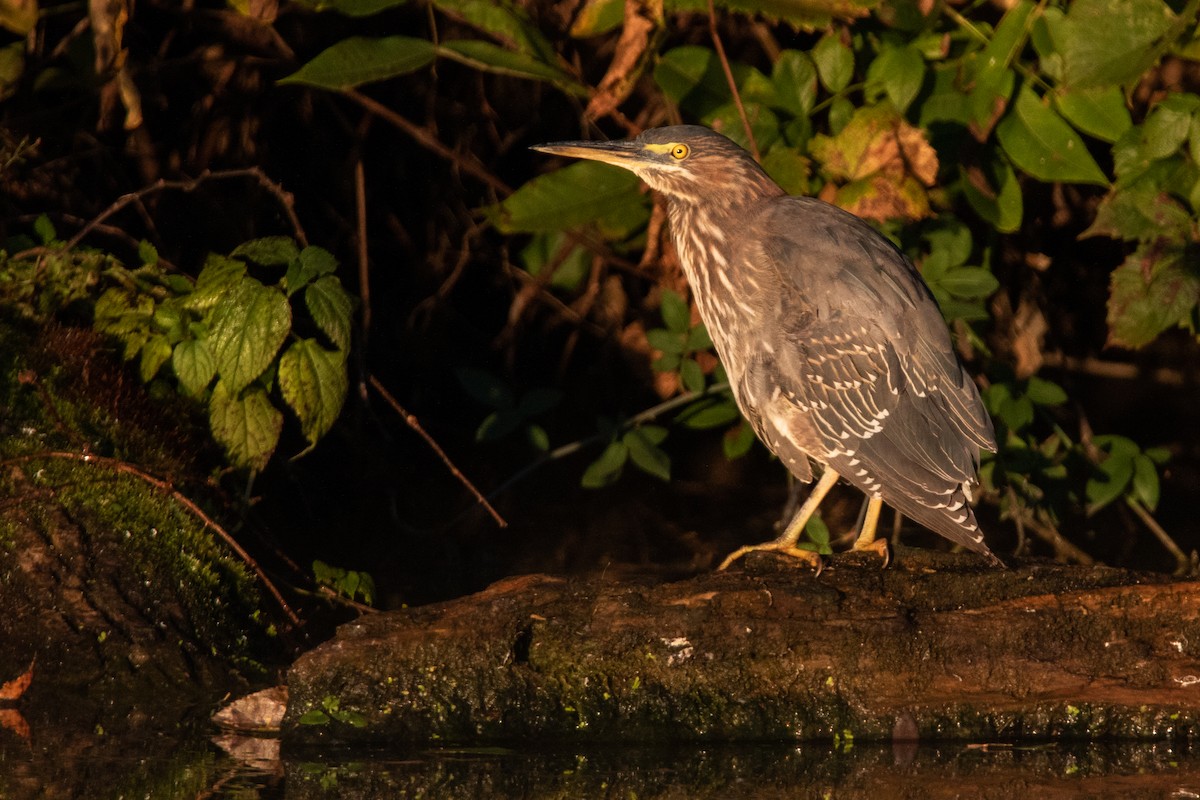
<point>872,386</point>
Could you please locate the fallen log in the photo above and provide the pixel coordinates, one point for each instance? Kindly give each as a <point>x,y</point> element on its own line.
<point>936,647</point>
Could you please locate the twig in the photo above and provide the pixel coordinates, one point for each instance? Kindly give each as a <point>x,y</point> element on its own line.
<point>422,137</point>
<point>1183,564</point>
<point>737,96</point>
<point>286,201</point>
<point>364,277</point>
<point>165,486</point>
<point>415,424</point>
<point>1114,369</point>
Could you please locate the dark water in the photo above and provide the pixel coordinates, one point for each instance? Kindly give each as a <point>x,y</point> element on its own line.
<point>200,764</point>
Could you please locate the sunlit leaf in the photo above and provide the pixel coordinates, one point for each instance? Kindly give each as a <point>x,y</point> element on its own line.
<point>313,382</point>
<point>194,365</point>
<point>1111,41</point>
<point>249,324</point>
<point>1042,144</point>
<point>331,308</point>
<point>835,63</point>
<point>246,424</point>
<point>579,193</point>
<point>357,60</point>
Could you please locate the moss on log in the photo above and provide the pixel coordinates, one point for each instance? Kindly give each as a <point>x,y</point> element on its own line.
<point>937,647</point>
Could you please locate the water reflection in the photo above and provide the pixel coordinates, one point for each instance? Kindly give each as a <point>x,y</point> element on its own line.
<point>250,768</point>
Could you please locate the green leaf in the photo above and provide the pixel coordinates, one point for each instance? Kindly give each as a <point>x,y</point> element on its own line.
<point>249,324</point>
<point>219,276</point>
<point>817,532</point>
<point>691,375</point>
<point>354,8</point>
<point>1115,473</point>
<point>331,309</point>
<point>899,71</point>
<point>314,716</point>
<point>692,78</point>
<point>1141,213</point>
<point>246,424</point>
<point>788,168</point>
<point>1166,128</point>
<point>313,382</point>
<point>485,388</point>
<point>505,22</point>
<point>194,365</point>
<point>1044,392</point>
<point>1043,145</point>
<point>1111,41</point>
<point>358,60</point>
<point>1156,288</point>
<point>155,353</point>
<point>493,58</point>
<point>583,192</point>
<point>538,437</point>
<point>1145,481</point>
<point>536,402</point>
<point>668,342</point>
<point>607,468</point>
<point>795,79</point>
<point>969,282</point>
<point>1159,455</point>
<point>646,455</point>
<point>270,251</point>
<point>497,425</point>
<point>835,63</point>
<point>675,312</point>
<point>698,339</point>
<point>708,412</point>
<point>1100,112</point>
<point>995,194</point>
<point>737,440</point>
<point>44,228</point>
<point>993,78</point>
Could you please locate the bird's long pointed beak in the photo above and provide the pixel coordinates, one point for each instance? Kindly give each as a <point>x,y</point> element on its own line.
<point>621,153</point>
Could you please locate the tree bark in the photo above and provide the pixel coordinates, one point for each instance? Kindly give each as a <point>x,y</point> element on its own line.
<point>936,647</point>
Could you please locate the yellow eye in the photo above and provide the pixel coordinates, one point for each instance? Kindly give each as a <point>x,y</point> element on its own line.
<point>679,152</point>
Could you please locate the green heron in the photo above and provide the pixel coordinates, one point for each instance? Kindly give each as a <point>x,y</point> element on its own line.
<point>835,348</point>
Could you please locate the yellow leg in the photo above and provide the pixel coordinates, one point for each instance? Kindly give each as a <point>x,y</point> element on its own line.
<point>866,538</point>
<point>786,543</point>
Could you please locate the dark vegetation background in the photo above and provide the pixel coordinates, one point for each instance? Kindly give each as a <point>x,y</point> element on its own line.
<point>389,160</point>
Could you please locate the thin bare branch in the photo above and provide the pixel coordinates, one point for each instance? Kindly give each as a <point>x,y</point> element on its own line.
<point>737,96</point>
<point>415,424</point>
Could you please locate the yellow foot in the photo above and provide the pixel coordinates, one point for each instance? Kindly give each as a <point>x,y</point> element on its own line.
<point>807,556</point>
<point>879,546</point>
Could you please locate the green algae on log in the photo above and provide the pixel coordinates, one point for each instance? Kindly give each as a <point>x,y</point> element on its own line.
<point>937,647</point>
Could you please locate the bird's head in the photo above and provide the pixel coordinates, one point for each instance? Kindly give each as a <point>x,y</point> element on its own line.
<point>686,162</point>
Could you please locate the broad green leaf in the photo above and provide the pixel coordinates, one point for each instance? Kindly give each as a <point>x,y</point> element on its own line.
<point>655,434</point>
<point>763,124</point>
<point>647,455</point>
<point>817,532</point>
<point>1111,41</point>
<point>969,282</point>
<point>249,324</point>
<point>538,437</point>
<point>270,251</point>
<point>692,78</point>
<point>194,365</point>
<point>331,308</point>
<point>1044,392</point>
<point>44,229</point>
<point>835,63</point>
<point>147,253</point>
<point>1099,112</point>
<point>675,312</point>
<point>795,78</point>
<point>667,341</point>
<point>691,375</point>
<point>354,8</point>
<point>597,17</point>
<point>546,250</point>
<point>1156,288</point>
<point>995,193</point>
<point>993,79</point>
<point>788,168</point>
<point>1166,128</point>
<point>698,339</point>
<point>506,22</point>
<point>950,245</point>
<point>493,58</point>
<point>737,440</point>
<point>607,468</point>
<point>899,73</point>
<point>577,194</point>
<point>1145,481</point>
<point>313,382</point>
<point>358,60</point>
<point>708,412</point>
<point>1115,472</point>
<point>155,353</point>
<point>485,388</point>
<point>219,276</point>
<point>1043,145</point>
<point>245,423</point>
<point>1141,213</point>
<point>536,402</point>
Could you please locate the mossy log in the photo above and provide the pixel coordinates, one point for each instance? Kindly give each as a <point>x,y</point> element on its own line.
<point>120,596</point>
<point>936,647</point>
